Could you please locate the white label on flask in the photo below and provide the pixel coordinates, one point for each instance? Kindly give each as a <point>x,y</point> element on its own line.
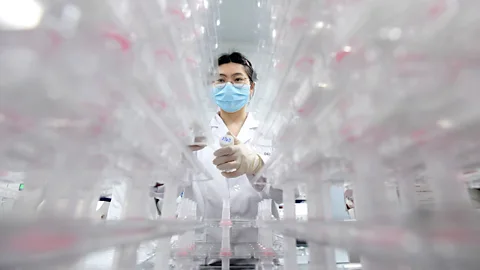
<point>226,140</point>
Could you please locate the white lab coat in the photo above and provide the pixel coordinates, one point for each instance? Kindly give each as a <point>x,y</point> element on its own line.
<point>244,198</point>
<point>209,195</point>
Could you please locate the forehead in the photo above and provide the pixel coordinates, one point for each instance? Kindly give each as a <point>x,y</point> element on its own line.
<point>230,69</point>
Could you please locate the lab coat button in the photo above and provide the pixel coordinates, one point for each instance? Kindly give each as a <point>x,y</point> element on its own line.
<point>236,187</point>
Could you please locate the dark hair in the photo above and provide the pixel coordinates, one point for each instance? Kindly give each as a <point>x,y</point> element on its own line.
<point>238,58</point>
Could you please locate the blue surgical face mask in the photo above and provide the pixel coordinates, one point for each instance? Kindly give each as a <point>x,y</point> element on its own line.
<point>231,98</point>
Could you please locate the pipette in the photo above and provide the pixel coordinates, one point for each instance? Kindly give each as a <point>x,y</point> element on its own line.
<point>226,223</point>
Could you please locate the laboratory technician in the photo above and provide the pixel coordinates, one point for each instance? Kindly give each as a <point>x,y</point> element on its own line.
<point>232,90</point>
<point>232,167</point>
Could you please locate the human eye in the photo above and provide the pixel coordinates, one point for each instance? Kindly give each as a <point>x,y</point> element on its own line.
<point>239,80</point>
<point>220,80</point>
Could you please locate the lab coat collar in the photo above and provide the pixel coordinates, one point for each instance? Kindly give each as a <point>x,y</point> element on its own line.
<point>246,133</point>
<point>250,122</point>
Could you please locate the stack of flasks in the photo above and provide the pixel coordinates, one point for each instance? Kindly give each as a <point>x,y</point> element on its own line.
<point>102,93</point>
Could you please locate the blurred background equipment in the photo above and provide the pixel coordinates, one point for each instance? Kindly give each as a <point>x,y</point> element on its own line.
<point>370,106</point>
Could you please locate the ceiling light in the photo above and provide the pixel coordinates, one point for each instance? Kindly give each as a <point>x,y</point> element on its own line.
<point>444,123</point>
<point>347,49</point>
<point>20,14</point>
<point>218,22</point>
<point>274,33</point>
<point>319,25</point>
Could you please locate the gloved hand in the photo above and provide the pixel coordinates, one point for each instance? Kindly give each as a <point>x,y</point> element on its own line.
<point>237,159</point>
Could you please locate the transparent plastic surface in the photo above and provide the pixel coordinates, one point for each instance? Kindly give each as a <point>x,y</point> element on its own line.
<point>87,102</point>
<point>387,101</point>
<point>441,236</point>
<point>379,94</point>
<point>45,242</point>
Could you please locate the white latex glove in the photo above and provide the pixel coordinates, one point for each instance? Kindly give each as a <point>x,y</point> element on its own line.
<point>237,159</point>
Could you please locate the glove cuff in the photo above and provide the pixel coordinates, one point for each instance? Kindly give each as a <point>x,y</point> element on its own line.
<point>257,164</point>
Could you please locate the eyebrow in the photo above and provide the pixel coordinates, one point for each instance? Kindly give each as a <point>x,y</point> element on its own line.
<point>235,74</point>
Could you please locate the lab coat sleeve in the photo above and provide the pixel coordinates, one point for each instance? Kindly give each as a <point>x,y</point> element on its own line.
<point>268,191</point>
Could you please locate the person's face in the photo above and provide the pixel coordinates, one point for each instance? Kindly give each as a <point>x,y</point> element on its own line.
<point>235,74</point>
